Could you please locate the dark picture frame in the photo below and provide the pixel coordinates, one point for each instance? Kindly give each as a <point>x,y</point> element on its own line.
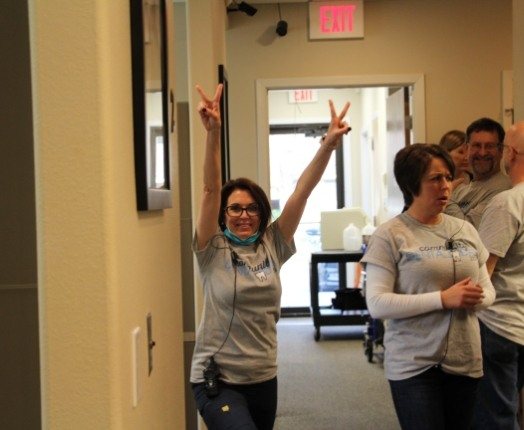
<point>224,116</point>
<point>152,134</point>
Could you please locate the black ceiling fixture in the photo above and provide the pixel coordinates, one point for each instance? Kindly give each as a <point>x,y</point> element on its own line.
<point>241,7</point>
<point>281,24</point>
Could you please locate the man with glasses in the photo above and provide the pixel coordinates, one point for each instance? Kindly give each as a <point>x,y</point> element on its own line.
<point>484,138</point>
<point>502,324</point>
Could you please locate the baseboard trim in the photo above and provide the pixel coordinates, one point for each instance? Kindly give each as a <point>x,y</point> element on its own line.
<point>295,312</point>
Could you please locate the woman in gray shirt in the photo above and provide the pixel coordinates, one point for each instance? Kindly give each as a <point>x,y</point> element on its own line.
<point>426,275</point>
<point>239,254</point>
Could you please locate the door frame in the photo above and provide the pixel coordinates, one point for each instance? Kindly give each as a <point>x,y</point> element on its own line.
<point>262,111</point>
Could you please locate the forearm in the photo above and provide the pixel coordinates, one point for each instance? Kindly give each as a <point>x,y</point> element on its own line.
<point>210,204</point>
<point>491,263</point>
<point>312,174</point>
<point>295,205</point>
<point>487,288</point>
<point>383,303</point>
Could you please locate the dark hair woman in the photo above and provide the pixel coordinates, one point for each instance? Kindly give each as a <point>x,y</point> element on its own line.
<point>427,276</point>
<point>234,367</point>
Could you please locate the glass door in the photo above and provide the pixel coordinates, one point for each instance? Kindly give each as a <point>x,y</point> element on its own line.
<point>289,154</point>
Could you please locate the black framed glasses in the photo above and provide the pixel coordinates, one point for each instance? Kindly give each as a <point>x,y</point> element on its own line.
<point>236,211</point>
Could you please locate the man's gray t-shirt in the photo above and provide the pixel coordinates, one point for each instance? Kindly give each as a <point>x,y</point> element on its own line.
<point>502,231</point>
<point>470,200</point>
<point>242,288</point>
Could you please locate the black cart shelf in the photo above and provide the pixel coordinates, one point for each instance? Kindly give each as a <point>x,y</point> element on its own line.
<point>330,316</point>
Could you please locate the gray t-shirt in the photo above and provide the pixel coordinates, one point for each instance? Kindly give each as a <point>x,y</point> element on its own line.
<point>470,200</point>
<point>242,288</point>
<point>502,231</point>
<point>416,256</point>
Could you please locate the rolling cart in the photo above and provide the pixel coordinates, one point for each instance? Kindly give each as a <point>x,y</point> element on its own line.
<point>347,308</point>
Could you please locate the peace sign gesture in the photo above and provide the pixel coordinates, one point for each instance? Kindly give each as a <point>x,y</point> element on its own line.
<point>337,126</point>
<point>209,109</point>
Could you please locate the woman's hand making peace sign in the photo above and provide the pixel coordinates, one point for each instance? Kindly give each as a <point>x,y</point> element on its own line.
<point>209,110</point>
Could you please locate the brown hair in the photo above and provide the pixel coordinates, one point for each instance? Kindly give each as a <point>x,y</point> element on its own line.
<point>453,139</point>
<point>489,125</point>
<point>256,192</point>
<point>412,162</point>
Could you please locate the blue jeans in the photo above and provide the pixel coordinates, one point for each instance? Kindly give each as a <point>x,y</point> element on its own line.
<point>246,407</point>
<point>434,400</point>
<point>498,399</point>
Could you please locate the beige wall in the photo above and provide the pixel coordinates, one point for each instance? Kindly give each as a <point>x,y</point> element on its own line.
<point>102,266</point>
<point>461,47</point>
<point>206,47</point>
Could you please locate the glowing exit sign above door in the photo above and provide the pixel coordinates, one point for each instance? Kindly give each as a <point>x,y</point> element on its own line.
<point>336,19</point>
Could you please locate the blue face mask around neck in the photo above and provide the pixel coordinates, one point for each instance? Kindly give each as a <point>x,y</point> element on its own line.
<point>237,241</point>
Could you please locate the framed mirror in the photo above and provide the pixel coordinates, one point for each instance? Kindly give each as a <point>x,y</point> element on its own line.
<point>151,104</point>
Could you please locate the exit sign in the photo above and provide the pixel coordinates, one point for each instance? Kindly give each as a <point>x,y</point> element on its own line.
<point>336,19</point>
<point>302,96</point>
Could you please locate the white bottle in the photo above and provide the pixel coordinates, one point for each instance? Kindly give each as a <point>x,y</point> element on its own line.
<point>367,231</point>
<point>352,238</point>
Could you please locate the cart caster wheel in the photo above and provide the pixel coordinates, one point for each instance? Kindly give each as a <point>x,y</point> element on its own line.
<point>317,334</point>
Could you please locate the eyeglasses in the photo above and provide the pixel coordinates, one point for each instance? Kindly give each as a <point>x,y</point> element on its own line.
<point>236,211</point>
<point>477,146</point>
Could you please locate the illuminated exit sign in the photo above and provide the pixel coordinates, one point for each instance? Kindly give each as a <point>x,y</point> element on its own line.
<point>302,96</point>
<point>336,19</point>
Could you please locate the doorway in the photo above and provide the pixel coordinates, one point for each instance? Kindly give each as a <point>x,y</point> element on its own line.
<point>362,187</point>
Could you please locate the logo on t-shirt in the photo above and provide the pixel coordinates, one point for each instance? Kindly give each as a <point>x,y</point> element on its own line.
<point>261,270</point>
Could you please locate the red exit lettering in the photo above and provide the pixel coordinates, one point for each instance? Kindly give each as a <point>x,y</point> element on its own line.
<point>303,95</point>
<point>336,19</point>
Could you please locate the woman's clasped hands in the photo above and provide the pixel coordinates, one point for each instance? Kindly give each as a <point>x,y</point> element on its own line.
<point>463,294</point>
